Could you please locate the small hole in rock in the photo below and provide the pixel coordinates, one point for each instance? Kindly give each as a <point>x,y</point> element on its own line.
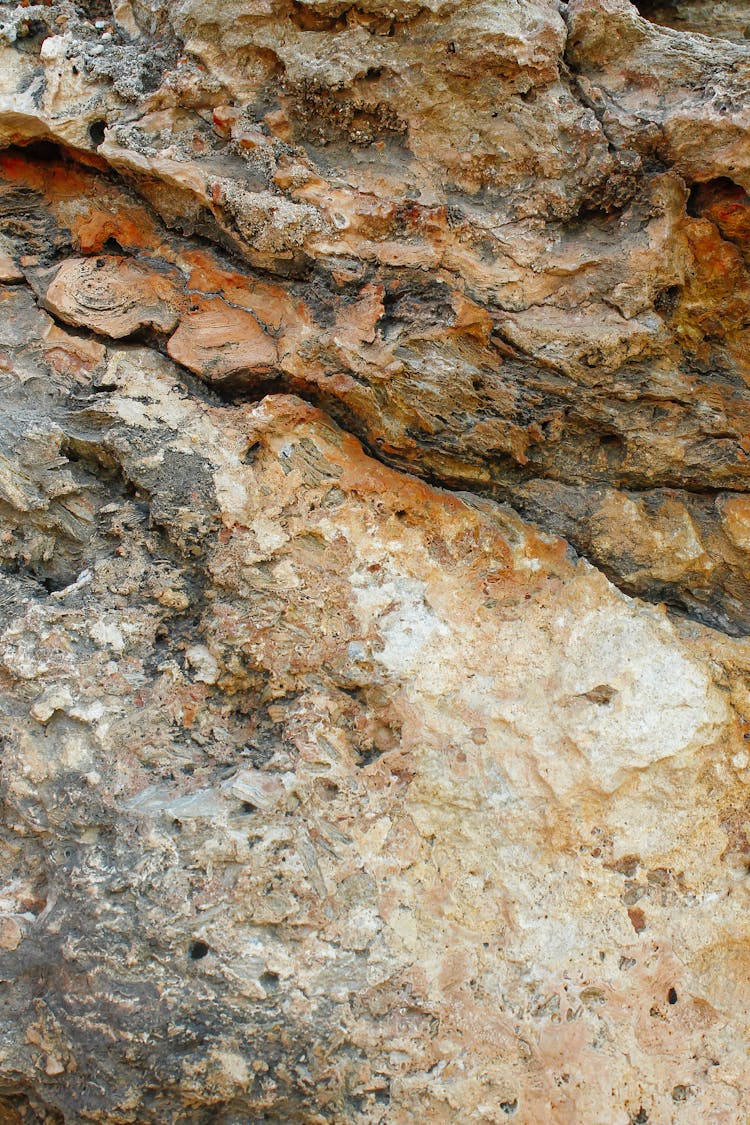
<point>252,452</point>
<point>270,981</point>
<point>96,132</point>
<point>198,949</point>
<point>666,300</point>
<point>672,996</point>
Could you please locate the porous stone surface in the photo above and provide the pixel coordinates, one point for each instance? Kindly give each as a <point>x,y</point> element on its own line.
<point>375,544</point>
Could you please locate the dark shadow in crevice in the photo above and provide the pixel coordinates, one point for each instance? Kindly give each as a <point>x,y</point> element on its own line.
<point>703,17</point>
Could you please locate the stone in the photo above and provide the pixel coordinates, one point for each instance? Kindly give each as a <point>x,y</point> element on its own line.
<point>11,934</point>
<point>374,583</point>
<point>219,343</point>
<point>112,296</point>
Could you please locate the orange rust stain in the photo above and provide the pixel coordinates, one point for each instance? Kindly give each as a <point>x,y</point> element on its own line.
<point>637,918</point>
<point>55,180</point>
<point>471,319</point>
<point>130,227</point>
<point>110,215</point>
<point>727,205</point>
<point>271,303</point>
<point>216,341</point>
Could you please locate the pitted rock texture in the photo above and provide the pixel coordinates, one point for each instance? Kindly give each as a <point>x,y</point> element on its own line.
<point>375,544</point>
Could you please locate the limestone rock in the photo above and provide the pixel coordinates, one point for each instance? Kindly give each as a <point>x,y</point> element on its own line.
<point>218,341</point>
<point>113,296</point>
<point>375,545</point>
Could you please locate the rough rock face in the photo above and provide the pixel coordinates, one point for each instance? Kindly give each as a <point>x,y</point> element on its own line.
<point>375,543</point>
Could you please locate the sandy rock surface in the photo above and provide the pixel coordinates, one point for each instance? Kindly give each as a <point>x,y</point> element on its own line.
<point>375,546</point>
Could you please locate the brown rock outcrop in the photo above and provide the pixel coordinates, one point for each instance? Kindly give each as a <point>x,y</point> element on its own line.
<point>376,562</point>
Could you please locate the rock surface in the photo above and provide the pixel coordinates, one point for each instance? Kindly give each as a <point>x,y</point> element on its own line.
<point>375,543</point>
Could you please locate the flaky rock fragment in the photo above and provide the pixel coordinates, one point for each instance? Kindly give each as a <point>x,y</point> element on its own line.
<point>218,341</point>
<point>113,296</point>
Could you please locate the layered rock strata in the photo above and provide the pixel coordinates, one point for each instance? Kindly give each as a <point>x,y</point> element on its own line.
<point>375,530</point>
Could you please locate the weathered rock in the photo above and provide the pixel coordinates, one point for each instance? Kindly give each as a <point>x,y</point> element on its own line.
<point>329,795</point>
<point>112,296</point>
<point>310,738</point>
<point>218,341</point>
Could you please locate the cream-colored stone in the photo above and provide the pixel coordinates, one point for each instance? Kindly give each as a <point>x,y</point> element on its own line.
<point>11,934</point>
